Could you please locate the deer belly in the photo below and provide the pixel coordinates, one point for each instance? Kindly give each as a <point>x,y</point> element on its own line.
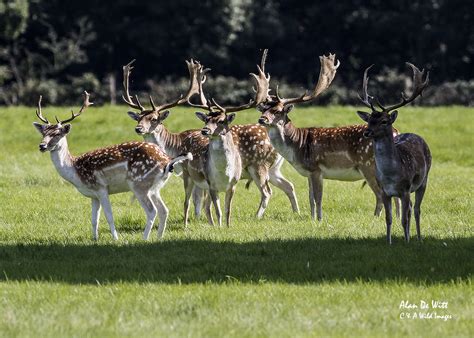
<point>340,174</point>
<point>220,181</point>
<point>115,178</point>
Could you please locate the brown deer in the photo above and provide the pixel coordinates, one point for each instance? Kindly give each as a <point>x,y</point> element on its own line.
<point>340,153</point>
<point>150,122</point>
<point>140,167</point>
<point>403,161</point>
<point>150,126</point>
<point>240,151</point>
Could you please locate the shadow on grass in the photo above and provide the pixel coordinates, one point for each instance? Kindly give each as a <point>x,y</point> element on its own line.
<point>197,261</point>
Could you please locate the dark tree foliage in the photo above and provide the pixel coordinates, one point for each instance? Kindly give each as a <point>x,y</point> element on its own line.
<point>228,35</point>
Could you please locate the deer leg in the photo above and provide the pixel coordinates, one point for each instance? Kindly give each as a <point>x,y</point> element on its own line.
<point>317,184</point>
<point>387,203</point>
<point>217,206</point>
<point>105,203</point>
<point>262,185</point>
<point>406,211</point>
<point>312,204</point>
<point>277,179</point>
<point>397,203</point>
<point>228,203</point>
<point>188,190</point>
<point>207,208</point>
<point>369,176</point>
<point>418,199</point>
<point>197,201</point>
<point>95,218</point>
<point>162,213</point>
<point>149,207</point>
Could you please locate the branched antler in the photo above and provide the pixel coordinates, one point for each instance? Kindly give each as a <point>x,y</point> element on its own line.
<point>418,86</point>
<point>86,104</point>
<point>262,82</point>
<point>327,73</point>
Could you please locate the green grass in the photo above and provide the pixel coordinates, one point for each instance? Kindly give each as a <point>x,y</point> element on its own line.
<point>283,275</point>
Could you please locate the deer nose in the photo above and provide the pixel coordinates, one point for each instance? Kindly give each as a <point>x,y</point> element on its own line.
<point>43,147</point>
<point>206,131</point>
<point>139,130</point>
<point>263,120</point>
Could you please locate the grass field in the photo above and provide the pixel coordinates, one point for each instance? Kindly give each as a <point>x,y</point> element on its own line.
<point>283,275</point>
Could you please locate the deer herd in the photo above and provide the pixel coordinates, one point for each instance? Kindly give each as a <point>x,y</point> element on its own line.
<point>213,159</point>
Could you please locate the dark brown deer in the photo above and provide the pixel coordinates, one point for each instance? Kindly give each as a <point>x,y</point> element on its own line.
<point>403,161</point>
<point>340,153</point>
<point>140,167</point>
<point>240,152</point>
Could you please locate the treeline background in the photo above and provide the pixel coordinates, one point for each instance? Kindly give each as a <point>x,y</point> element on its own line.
<point>59,48</point>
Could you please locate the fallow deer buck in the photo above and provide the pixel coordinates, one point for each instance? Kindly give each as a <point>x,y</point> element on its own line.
<point>140,167</point>
<point>150,123</point>
<point>340,153</point>
<point>404,161</point>
<point>150,126</point>
<point>240,151</point>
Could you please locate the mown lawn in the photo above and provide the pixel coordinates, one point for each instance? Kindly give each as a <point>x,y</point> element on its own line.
<point>281,276</point>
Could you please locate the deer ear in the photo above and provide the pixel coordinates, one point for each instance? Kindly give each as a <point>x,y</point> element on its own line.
<point>134,115</point>
<point>39,127</point>
<point>288,108</point>
<point>66,128</point>
<point>230,117</point>
<point>363,115</point>
<point>201,116</point>
<point>164,115</point>
<point>393,116</point>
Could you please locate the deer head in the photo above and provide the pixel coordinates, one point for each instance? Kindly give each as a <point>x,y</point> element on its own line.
<point>149,119</point>
<point>218,118</point>
<point>380,120</point>
<point>53,133</point>
<point>275,110</point>
<point>215,124</point>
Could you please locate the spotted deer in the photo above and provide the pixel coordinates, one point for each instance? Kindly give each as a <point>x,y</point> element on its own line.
<point>150,126</point>
<point>140,167</point>
<point>240,152</point>
<point>402,161</point>
<point>341,153</point>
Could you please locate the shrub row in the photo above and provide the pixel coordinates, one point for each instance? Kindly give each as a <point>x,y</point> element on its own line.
<point>228,90</point>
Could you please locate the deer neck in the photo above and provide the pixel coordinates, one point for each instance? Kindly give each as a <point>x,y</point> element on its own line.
<point>169,142</point>
<point>224,157</point>
<point>285,138</point>
<point>64,161</point>
<point>386,156</point>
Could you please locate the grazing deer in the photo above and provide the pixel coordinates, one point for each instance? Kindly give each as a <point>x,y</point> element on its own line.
<point>241,151</point>
<point>340,153</point>
<point>140,167</point>
<point>150,125</point>
<point>404,161</point>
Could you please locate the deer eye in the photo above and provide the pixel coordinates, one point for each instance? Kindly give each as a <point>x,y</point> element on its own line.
<point>384,122</point>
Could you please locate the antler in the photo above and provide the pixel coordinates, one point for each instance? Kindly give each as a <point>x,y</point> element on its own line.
<point>39,113</point>
<point>262,82</point>
<point>326,75</point>
<point>367,99</point>
<point>418,86</point>
<point>127,69</point>
<point>197,78</point>
<point>86,104</point>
